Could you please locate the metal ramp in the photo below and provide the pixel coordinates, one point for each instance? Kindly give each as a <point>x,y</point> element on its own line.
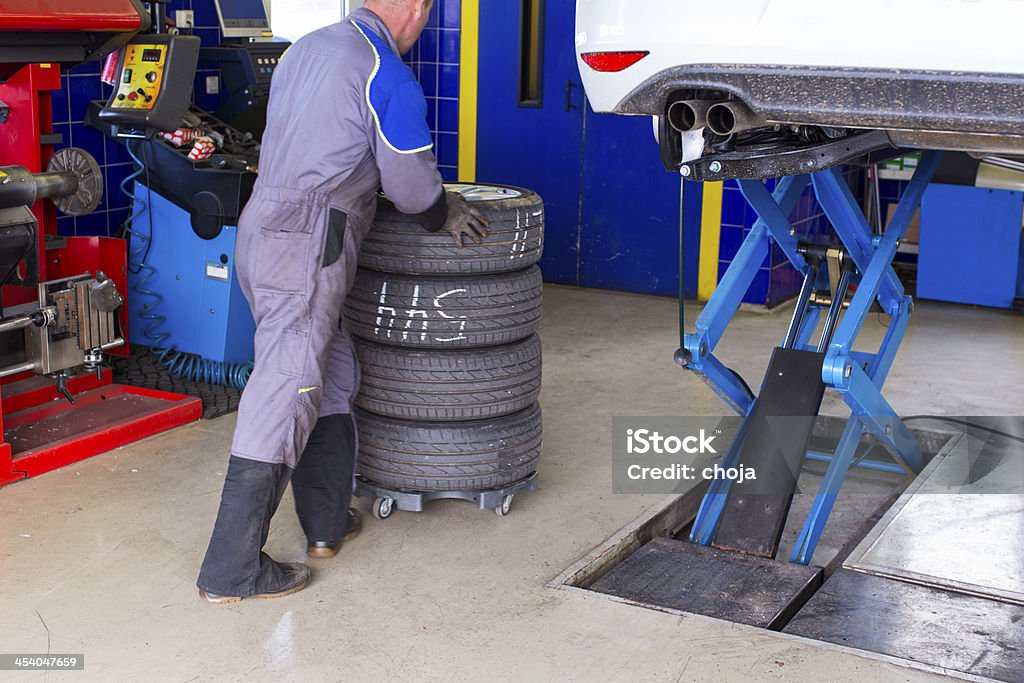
<point>780,427</point>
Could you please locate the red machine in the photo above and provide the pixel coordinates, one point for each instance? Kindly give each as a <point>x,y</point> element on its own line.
<point>61,306</point>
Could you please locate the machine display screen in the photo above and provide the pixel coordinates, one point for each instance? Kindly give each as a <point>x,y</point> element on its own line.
<point>239,13</point>
<point>151,55</point>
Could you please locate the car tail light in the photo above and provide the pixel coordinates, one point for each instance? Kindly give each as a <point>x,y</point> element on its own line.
<point>612,61</point>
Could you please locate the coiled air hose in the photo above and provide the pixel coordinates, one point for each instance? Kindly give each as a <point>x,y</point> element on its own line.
<point>188,366</point>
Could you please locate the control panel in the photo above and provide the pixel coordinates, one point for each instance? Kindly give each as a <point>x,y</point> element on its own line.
<point>246,71</point>
<point>141,76</point>
<point>263,66</point>
<point>248,66</point>
<point>155,75</point>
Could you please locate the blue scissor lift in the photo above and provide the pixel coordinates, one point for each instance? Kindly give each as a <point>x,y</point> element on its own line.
<point>728,568</point>
<point>749,517</point>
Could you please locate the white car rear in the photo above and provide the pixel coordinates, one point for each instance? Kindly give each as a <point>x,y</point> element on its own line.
<point>761,78</point>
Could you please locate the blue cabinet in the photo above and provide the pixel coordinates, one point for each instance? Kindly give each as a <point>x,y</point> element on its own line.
<point>970,250</point>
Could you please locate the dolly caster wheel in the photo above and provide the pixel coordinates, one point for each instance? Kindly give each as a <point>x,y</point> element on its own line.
<point>383,507</point>
<point>506,505</point>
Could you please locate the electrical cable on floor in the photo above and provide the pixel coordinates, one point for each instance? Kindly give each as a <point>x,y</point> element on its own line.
<point>952,420</point>
<point>966,423</point>
<point>188,366</point>
<point>860,459</point>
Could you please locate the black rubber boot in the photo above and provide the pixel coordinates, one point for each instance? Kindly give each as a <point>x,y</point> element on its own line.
<point>235,566</point>
<point>322,481</point>
<point>331,548</point>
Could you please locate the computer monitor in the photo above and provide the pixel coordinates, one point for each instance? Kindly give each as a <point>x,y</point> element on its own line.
<point>243,18</point>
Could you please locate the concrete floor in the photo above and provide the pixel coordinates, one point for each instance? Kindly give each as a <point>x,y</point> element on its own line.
<point>101,557</point>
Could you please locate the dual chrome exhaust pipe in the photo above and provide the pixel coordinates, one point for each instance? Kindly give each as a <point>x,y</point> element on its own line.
<point>723,118</point>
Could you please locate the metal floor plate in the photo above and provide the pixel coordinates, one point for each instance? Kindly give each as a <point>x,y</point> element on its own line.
<point>680,576</point>
<point>57,433</point>
<point>940,628</point>
<point>960,526</point>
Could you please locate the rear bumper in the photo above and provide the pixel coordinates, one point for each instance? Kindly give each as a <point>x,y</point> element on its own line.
<point>971,104</point>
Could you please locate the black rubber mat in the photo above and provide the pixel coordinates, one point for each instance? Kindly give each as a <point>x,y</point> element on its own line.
<point>679,575</point>
<point>142,370</point>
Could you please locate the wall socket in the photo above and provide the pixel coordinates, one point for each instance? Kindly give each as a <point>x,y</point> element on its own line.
<point>184,18</point>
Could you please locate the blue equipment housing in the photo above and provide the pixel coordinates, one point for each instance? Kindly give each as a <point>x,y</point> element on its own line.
<point>187,293</point>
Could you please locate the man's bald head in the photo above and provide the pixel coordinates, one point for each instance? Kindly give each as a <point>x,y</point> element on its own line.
<point>405,19</point>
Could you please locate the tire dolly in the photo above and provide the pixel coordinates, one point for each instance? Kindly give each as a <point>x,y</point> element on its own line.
<point>386,500</point>
<point>750,517</point>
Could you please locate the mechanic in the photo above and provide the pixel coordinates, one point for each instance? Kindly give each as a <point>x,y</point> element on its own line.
<point>346,117</point>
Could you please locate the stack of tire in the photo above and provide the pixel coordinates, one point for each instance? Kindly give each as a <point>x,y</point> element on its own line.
<point>448,350</point>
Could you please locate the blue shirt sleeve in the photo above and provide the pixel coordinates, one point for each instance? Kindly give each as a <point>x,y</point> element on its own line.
<point>396,100</point>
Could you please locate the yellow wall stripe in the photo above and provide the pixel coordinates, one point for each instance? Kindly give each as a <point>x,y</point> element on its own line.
<point>469,67</point>
<point>710,231</point>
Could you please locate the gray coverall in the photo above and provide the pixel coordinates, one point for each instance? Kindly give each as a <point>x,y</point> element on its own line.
<point>345,118</point>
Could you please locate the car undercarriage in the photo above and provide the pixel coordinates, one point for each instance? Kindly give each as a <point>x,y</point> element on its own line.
<point>720,122</point>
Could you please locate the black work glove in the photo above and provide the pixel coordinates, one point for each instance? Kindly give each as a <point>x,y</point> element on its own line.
<point>463,219</point>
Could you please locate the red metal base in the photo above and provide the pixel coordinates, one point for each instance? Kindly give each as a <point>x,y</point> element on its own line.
<point>28,390</point>
<point>56,434</point>
<point>7,475</point>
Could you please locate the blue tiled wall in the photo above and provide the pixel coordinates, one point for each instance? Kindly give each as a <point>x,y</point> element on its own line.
<point>81,84</point>
<point>776,281</point>
<point>435,61</point>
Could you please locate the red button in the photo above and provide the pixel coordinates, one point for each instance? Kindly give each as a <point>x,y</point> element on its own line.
<point>133,96</point>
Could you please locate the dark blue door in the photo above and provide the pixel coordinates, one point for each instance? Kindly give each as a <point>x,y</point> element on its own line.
<point>629,234</point>
<point>536,145</point>
<point>611,209</point>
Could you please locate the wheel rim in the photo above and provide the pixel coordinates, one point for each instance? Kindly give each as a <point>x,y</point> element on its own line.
<point>90,181</point>
<point>483,193</point>
<point>385,507</point>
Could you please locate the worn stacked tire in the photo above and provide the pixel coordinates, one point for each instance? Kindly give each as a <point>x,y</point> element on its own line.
<point>448,350</point>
